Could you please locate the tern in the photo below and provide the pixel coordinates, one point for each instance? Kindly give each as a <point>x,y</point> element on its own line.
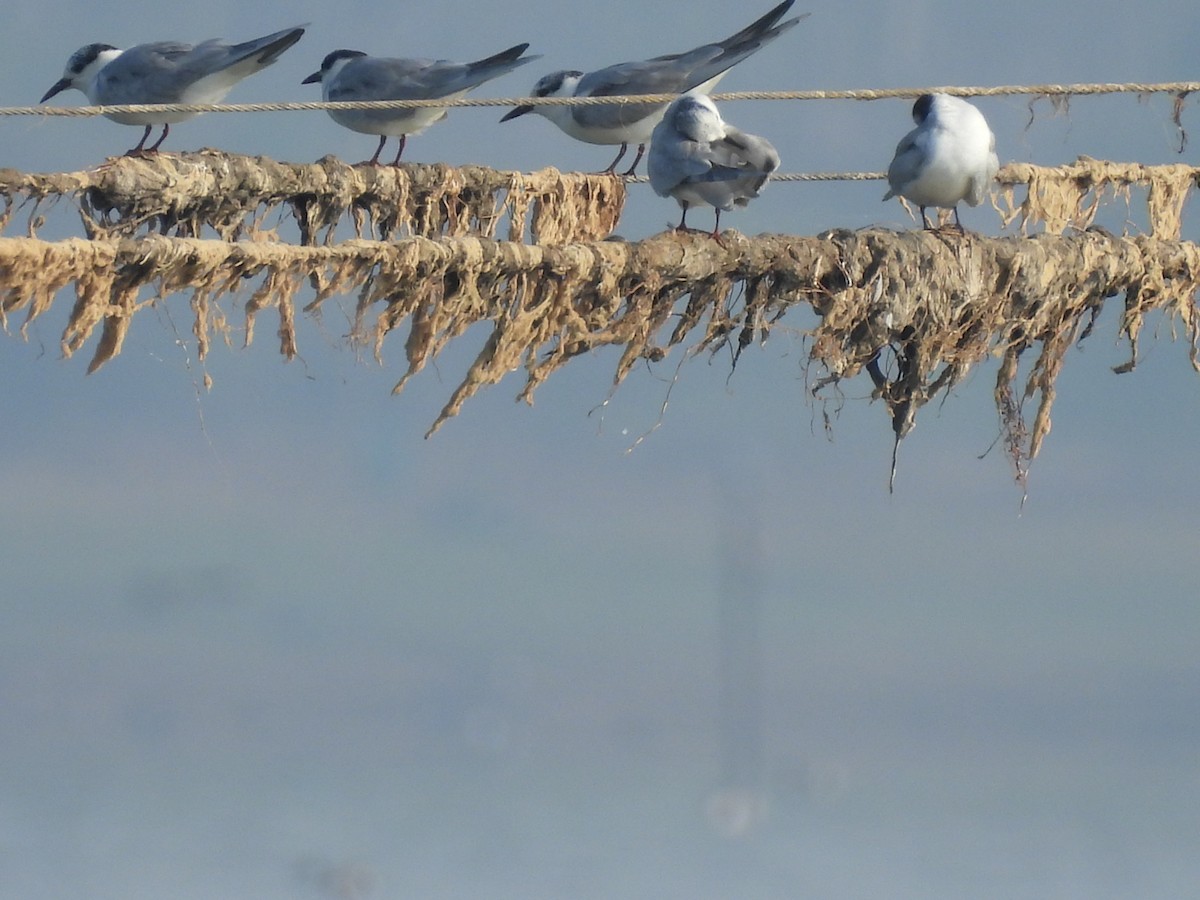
<point>166,72</point>
<point>700,160</point>
<point>697,70</point>
<point>348,75</point>
<point>949,157</point>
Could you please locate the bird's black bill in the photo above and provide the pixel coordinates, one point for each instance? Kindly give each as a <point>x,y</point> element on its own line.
<point>519,111</point>
<point>312,79</point>
<point>59,86</point>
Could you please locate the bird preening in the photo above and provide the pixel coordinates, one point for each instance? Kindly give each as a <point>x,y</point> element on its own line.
<point>701,160</point>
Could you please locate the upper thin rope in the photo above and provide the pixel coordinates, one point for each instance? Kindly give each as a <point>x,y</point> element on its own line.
<point>1179,88</point>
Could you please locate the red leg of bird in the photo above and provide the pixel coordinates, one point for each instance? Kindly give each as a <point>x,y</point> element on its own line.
<point>137,151</point>
<point>716,232</point>
<point>637,159</point>
<point>612,166</point>
<point>396,161</point>
<point>153,148</point>
<point>374,160</point>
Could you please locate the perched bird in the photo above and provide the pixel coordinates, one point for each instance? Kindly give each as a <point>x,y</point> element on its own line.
<point>697,70</point>
<point>950,156</point>
<point>352,75</point>
<point>700,160</point>
<point>166,72</point>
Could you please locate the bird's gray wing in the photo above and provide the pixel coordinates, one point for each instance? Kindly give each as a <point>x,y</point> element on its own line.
<point>675,160</point>
<point>718,173</point>
<point>147,73</point>
<point>265,50</point>
<point>721,185</point>
<point>498,64</point>
<point>234,61</point>
<point>674,73</point>
<point>378,78</point>
<point>661,75</point>
<point>161,72</point>
<point>738,46</point>
<point>908,161</point>
<point>751,160</point>
<point>746,151</point>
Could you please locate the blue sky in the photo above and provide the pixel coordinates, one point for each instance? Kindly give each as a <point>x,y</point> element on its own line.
<point>264,635</point>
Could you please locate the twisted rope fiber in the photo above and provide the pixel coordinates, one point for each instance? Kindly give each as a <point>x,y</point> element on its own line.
<point>1180,88</point>
<point>792,176</point>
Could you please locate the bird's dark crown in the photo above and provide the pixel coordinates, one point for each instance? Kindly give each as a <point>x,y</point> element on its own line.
<point>85,56</point>
<point>552,83</point>
<point>330,59</point>
<point>921,108</point>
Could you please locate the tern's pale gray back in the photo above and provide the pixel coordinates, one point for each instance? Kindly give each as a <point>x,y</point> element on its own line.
<point>169,72</point>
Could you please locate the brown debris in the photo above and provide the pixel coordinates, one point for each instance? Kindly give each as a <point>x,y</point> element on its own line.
<point>1069,196</point>
<point>915,309</point>
<point>183,194</point>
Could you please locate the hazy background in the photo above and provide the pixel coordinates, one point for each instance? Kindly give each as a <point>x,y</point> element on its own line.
<point>265,641</point>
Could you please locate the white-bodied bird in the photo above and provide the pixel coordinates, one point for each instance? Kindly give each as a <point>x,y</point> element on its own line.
<point>352,75</point>
<point>949,157</point>
<point>166,72</point>
<point>700,160</point>
<point>697,70</point>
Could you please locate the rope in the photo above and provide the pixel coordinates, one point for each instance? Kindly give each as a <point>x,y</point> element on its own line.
<point>1180,88</point>
<point>792,176</point>
<point>1010,174</point>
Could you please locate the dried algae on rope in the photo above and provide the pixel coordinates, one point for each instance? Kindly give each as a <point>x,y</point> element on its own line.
<point>1069,196</point>
<point>916,310</point>
<point>237,196</point>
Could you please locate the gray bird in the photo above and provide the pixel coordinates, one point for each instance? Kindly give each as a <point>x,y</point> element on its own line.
<point>700,160</point>
<point>166,72</point>
<point>352,75</point>
<point>949,157</point>
<point>697,70</point>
